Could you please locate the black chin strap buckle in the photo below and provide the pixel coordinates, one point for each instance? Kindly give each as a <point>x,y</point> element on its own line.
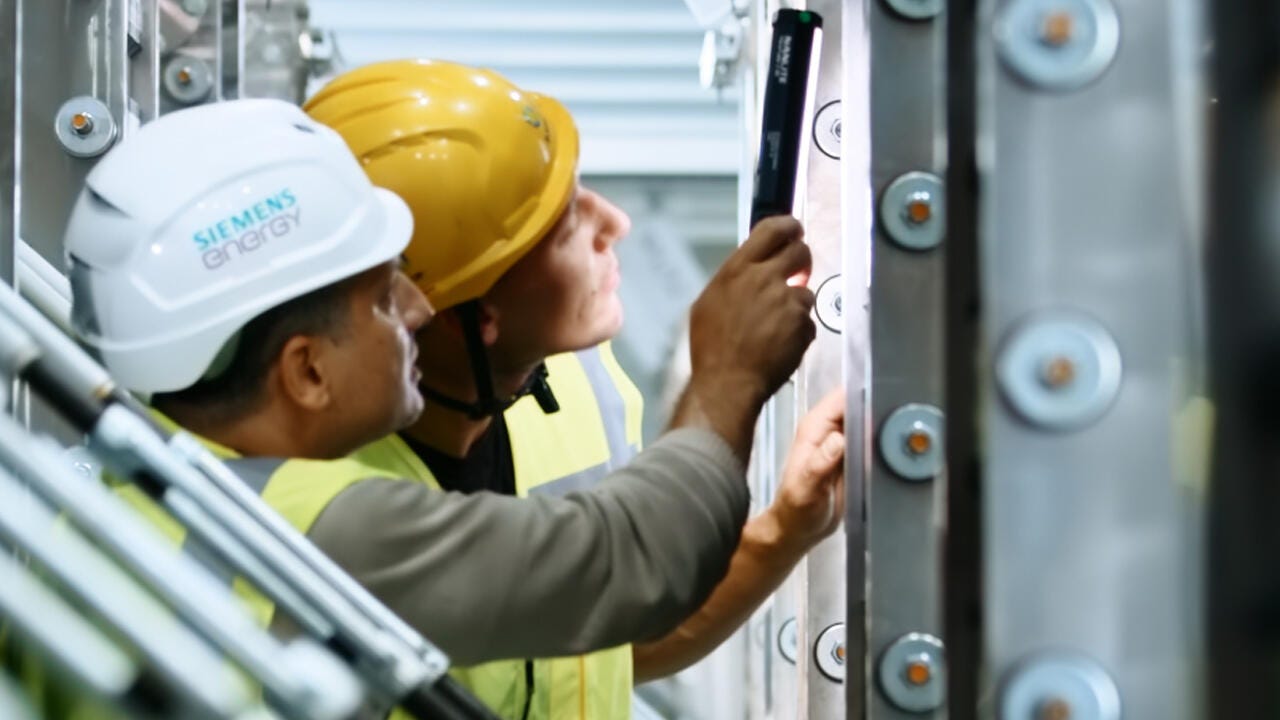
<point>541,390</point>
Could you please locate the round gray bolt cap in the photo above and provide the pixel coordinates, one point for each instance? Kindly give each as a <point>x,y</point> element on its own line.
<point>912,211</point>
<point>1056,683</point>
<point>913,673</point>
<point>911,442</point>
<point>1058,44</point>
<point>85,127</point>
<point>1059,371</point>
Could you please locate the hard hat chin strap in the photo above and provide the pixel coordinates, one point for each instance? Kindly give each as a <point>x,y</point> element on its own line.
<point>487,405</point>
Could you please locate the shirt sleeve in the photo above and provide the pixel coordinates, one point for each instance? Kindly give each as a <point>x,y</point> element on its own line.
<point>488,577</point>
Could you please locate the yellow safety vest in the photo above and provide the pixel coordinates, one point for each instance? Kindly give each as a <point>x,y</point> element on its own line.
<point>596,430</point>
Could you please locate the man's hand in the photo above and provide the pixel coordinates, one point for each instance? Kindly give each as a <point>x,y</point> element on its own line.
<point>809,504</point>
<point>747,332</point>
<point>749,328</point>
<point>808,507</point>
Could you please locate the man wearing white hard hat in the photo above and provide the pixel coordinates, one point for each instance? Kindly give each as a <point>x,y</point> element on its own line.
<point>234,262</point>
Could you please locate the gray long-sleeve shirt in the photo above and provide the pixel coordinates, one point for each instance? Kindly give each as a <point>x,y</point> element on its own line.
<point>489,577</point>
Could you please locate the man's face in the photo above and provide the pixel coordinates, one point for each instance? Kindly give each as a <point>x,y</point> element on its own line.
<point>563,295</point>
<point>377,385</point>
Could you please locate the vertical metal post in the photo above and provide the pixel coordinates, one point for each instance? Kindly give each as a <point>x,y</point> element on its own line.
<point>1087,397</point>
<point>1244,321</point>
<point>907,483</point>
<point>8,137</point>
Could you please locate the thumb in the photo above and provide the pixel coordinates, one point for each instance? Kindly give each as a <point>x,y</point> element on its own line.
<point>828,455</point>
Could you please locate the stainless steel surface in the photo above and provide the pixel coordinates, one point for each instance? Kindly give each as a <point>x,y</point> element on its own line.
<point>822,586</point>
<point>912,673</point>
<point>911,442</point>
<point>1058,44</point>
<point>1089,537</point>
<point>69,48</point>
<point>85,127</point>
<point>906,311</point>
<point>1060,687</point>
<point>913,210</point>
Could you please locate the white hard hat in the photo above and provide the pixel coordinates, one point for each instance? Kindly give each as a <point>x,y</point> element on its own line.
<point>208,217</point>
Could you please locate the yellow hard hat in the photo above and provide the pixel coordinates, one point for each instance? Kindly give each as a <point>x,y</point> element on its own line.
<point>486,168</point>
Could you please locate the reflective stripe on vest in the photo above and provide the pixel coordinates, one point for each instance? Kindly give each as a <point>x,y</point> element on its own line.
<point>596,431</point>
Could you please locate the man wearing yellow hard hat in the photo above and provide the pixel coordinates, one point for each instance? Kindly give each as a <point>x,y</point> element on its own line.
<point>523,394</point>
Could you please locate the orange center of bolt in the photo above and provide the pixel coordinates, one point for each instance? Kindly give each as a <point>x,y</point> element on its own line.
<point>184,76</point>
<point>1057,29</point>
<point>1054,709</point>
<point>918,673</point>
<point>919,442</point>
<point>840,651</point>
<point>918,211</point>
<point>79,121</point>
<point>1059,372</point>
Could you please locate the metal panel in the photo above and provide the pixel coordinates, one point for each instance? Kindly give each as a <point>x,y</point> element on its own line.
<point>903,514</point>
<point>1087,236</point>
<point>70,48</point>
<point>822,574</point>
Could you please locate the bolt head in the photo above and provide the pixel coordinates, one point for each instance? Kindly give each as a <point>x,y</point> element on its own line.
<point>919,208</point>
<point>917,673</point>
<point>839,652</point>
<point>1058,29</point>
<point>1058,373</point>
<point>1054,709</point>
<point>82,123</point>
<point>184,76</point>
<point>919,442</point>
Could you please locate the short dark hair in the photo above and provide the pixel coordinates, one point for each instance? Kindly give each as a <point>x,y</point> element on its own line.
<point>239,388</point>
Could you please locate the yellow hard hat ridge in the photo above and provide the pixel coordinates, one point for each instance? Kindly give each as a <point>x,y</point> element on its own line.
<point>486,168</point>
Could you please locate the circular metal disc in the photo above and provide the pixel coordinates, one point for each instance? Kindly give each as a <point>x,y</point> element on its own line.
<point>893,204</point>
<point>916,9</point>
<point>894,433</point>
<point>199,83</point>
<point>824,652</point>
<point>914,647</point>
<point>829,305</point>
<point>789,641</point>
<point>1086,40</point>
<point>1074,681</point>
<point>1090,353</point>
<point>98,140</point>
<point>827,129</point>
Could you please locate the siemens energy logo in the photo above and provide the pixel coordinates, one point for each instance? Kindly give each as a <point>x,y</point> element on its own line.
<point>267,220</point>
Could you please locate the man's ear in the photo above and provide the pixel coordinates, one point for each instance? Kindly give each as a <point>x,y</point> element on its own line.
<point>488,321</point>
<point>304,373</point>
